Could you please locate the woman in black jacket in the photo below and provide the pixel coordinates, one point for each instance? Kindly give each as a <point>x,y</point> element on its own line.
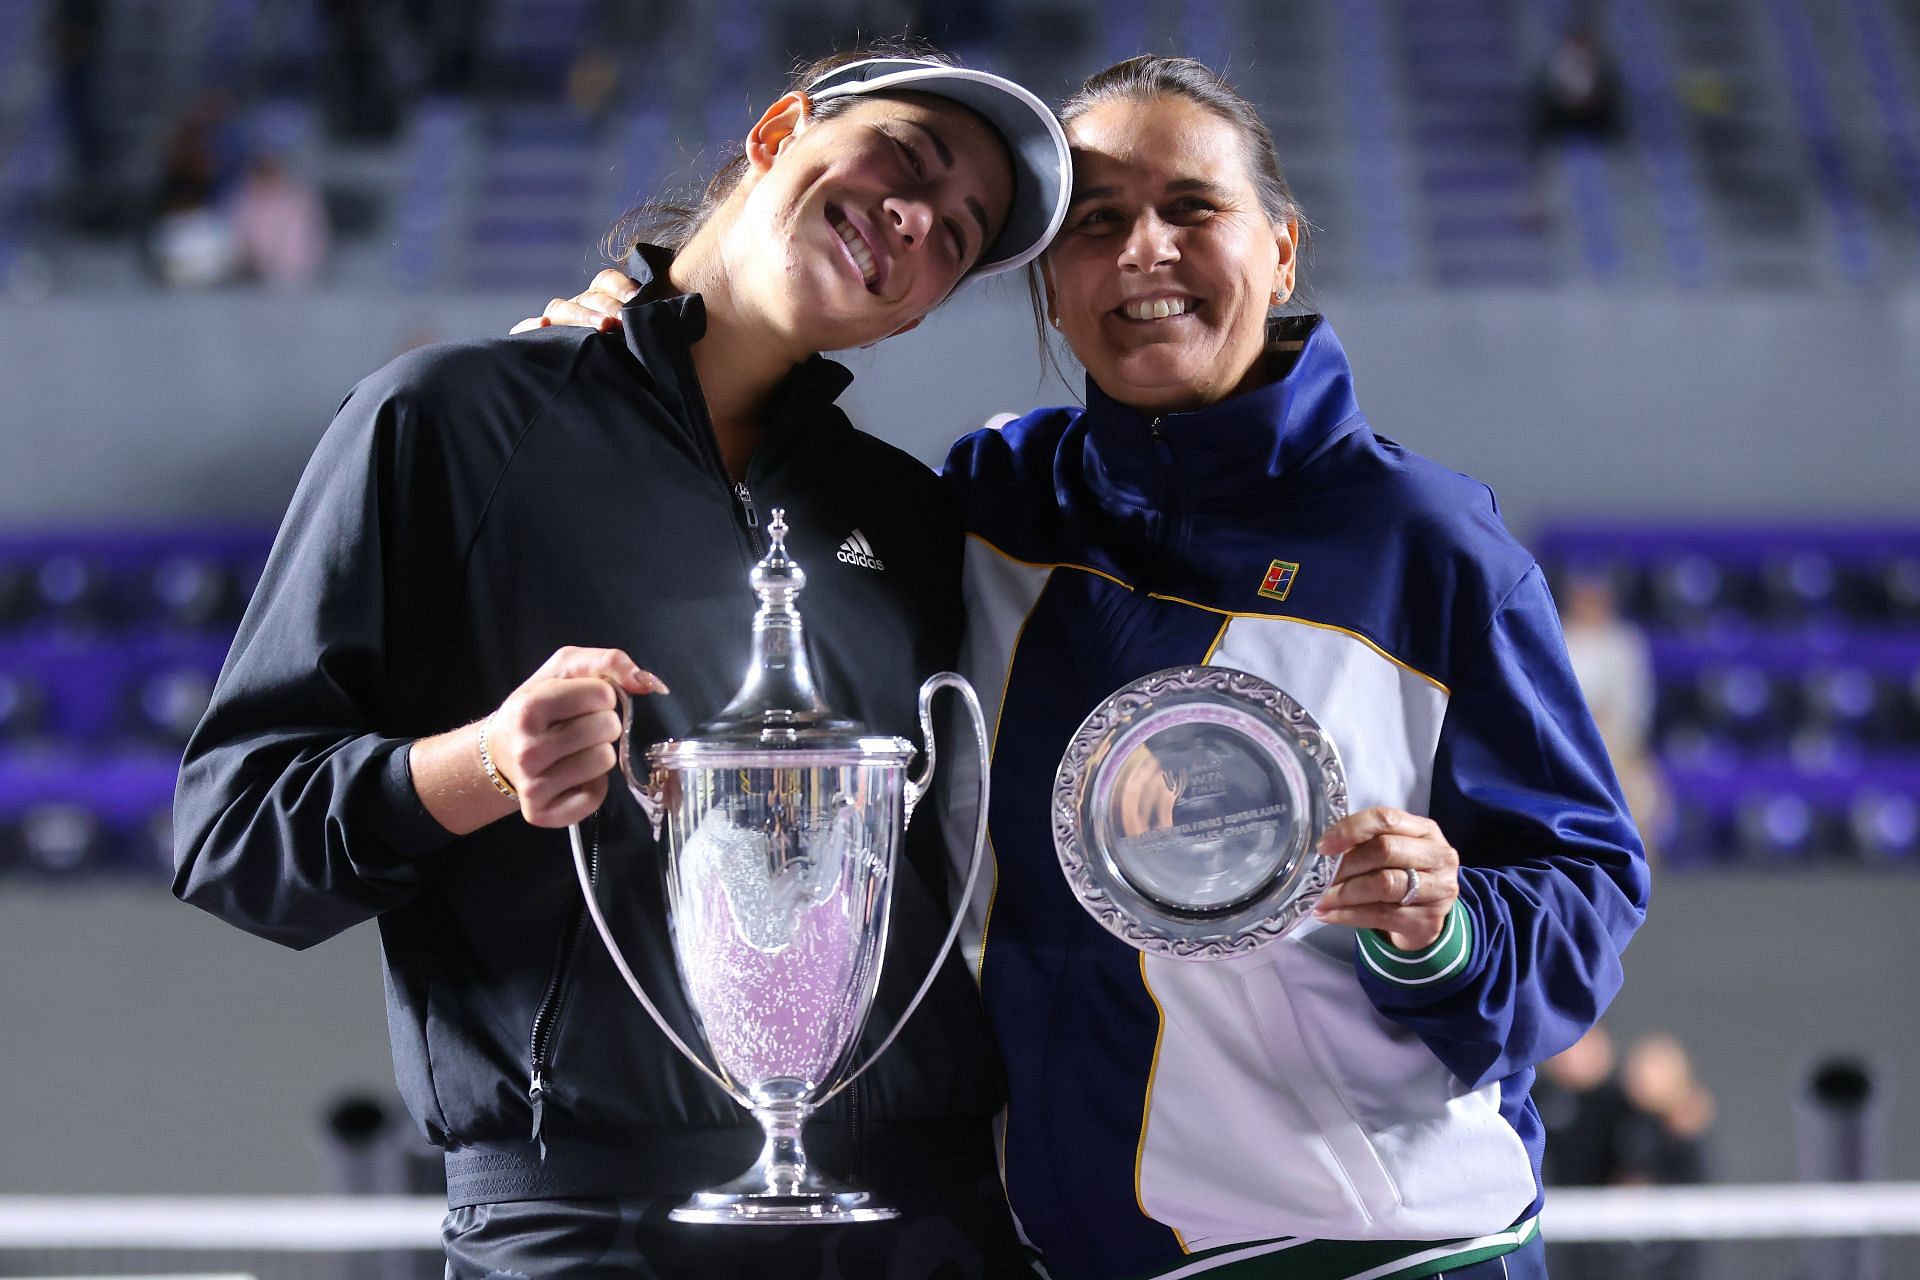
<point>488,537</point>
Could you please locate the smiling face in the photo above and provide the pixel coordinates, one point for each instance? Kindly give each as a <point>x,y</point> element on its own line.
<point>851,228</point>
<point>1163,273</point>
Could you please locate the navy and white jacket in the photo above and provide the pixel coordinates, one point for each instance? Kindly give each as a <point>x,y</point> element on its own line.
<point>1354,1109</point>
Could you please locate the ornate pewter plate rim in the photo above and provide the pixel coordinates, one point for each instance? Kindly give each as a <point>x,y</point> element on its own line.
<point>1257,922</point>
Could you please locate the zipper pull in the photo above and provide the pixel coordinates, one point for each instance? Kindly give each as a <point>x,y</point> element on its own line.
<point>537,1095</point>
<point>746,504</point>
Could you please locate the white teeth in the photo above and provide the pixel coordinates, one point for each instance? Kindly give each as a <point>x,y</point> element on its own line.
<point>857,247</point>
<point>1158,309</point>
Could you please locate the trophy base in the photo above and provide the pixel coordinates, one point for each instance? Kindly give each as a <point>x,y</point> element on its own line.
<point>767,1208</point>
<point>783,1188</point>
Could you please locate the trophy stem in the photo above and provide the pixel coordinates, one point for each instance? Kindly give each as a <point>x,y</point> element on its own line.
<point>783,1159</point>
<point>782,1189</point>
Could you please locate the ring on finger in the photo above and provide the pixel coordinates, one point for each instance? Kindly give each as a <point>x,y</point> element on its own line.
<point>1413,888</point>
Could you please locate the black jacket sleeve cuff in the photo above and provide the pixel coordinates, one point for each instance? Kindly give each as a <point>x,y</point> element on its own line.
<point>404,820</point>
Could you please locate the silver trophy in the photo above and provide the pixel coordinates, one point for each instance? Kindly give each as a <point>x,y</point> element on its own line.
<point>1187,810</point>
<point>783,825</point>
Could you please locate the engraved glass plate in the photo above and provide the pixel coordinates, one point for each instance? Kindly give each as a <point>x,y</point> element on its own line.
<point>1187,808</point>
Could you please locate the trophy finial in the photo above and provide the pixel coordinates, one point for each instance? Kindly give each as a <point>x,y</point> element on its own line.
<point>777,578</point>
<point>779,694</point>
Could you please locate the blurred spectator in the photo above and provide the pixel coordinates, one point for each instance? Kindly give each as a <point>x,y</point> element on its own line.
<point>191,242</point>
<point>1584,1111</point>
<point>601,76</point>
<point>1577,94</point>
<point>203,154</point>
<point>1644,1126</point>
<point>194,248</point>
<point>1615,669</point>
<point>593,84</point>
<point>281,225</point>
<point>1706,92</point>
<point>357,90</point>
<point>1662,1143</point>
<point>448,31</point>
<point>74,36</point>
<point>1583,1108</point>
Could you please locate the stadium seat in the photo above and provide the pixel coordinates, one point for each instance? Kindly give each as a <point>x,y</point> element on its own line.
<point>1899,582</point>
<point>1885,826</point>
<point>1744,703</point>
<point>70,590</point>
<point>170,702</point>
<point>1845,699</point>
<point>190,591</point>
<point>61,838</point>
<point>1781,826</point>
<point>23,705</point>
<point>1689,591</point>
<point>1801,586</point>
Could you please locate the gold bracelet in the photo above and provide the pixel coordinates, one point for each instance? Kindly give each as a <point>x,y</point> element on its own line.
<point>500,784</point>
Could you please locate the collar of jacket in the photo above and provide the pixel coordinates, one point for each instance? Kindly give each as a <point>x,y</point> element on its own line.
<point>1223,452</point>
<point>661,325</point>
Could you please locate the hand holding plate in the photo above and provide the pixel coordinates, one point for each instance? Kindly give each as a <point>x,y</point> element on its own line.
<point>1397,874</point>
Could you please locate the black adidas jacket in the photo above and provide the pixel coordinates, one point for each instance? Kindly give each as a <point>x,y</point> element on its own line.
<point>472,508</point>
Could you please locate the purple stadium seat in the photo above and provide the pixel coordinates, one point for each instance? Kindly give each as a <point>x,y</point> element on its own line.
<point>1885,826</point>
<point>192,591</point>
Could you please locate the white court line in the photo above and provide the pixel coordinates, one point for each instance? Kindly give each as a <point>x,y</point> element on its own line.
<point>342,1224</point>
<point>304,1224</point>
<point>1733,1212</point>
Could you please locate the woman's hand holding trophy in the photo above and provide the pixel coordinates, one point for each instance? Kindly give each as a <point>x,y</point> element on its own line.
<point>550,745</point>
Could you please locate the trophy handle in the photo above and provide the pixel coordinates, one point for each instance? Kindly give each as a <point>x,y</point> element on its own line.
<point>647,793</point>
<point>649,796</point>
<point>917,788</point>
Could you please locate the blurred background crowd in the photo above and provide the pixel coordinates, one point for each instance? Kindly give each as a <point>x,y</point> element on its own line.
<point>1647,266</point>
<point>449,143</point>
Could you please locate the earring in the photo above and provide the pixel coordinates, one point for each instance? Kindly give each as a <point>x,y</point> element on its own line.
<point>1276,299</point>
<point>1054,321</point>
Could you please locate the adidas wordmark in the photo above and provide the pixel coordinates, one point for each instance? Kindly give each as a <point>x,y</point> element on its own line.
<point>855,549</point>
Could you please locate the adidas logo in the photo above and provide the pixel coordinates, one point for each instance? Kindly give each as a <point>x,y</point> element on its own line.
<point>855,549</point>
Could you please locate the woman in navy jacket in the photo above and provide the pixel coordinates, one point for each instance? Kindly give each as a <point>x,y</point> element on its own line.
<point>1351,1101</point>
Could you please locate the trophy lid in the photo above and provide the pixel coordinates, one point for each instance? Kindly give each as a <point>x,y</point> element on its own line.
<point>779,707</point>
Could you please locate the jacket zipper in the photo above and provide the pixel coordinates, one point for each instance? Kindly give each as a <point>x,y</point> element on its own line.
<point>710,446</point>
<point>547,1017</point>
<point>1160,523</point>
<point>745,498</point>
